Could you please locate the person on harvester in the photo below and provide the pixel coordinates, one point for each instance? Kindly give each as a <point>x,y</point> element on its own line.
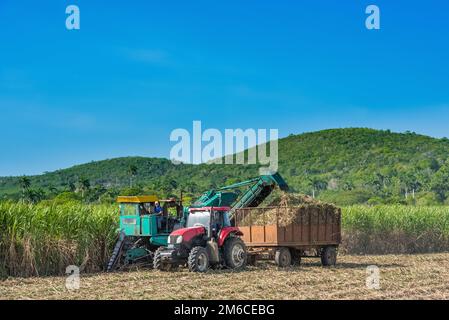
<point>159,211</point>
<point>157,207</point>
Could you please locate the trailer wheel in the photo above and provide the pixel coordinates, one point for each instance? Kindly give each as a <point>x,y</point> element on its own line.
<point>235,254</point>
<point>283,257</point>
<point>329,256</point>
<point>198,260</point>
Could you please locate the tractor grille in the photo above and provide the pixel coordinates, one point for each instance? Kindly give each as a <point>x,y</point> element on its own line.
<point>172,239</point>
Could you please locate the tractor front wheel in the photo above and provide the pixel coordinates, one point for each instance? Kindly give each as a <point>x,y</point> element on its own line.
<point>235,254</point>
<point>198,260</point>
<point>157,261</point>
<point>159,265</point>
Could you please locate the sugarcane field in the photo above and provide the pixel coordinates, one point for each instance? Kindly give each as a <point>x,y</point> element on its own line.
<point>281,259</point>
<point>234,159</point>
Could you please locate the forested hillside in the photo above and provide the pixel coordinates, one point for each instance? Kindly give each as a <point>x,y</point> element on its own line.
<point>340,165</point>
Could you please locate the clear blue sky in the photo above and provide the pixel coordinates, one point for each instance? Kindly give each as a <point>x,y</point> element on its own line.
<point>139,69</point>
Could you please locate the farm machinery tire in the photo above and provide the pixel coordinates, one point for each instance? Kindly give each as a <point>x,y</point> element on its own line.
<point>235,253</point>
<point>283,257</point>
<point>198,260</point>
<point>159,265</point>
<point>329,256</point>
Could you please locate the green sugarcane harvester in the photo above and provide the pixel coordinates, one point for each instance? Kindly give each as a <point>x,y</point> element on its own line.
<point>142,231</point>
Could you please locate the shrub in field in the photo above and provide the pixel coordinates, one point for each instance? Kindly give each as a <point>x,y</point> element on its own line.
<point>45,238</point>
<point>395,229</point>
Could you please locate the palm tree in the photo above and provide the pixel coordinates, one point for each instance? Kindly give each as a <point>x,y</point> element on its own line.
<point>132,171</point>
<point>39,194</point>
<point>83,185</point>
<point>25,184</point>
<point>317,184</point>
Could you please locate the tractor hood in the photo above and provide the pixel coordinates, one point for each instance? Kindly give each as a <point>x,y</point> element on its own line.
<point>189,233</point>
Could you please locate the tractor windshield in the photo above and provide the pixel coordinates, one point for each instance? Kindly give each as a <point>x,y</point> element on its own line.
<point>199,218</point>
<point>128,209</point>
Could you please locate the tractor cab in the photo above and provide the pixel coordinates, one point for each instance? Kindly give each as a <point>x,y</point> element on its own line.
<point>212,219</point>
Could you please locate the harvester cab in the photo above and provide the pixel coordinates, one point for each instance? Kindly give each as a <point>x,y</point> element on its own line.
<point>208,240</point>
<point>142,229</point>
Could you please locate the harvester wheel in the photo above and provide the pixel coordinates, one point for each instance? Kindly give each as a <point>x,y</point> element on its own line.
<point>116,260</point>
<point>198,259</point>
<point>283,257</point>
<point>235,254</point>
<point>329,256</point>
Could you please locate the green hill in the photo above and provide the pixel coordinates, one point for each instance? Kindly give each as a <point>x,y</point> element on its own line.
<point>345,166</point>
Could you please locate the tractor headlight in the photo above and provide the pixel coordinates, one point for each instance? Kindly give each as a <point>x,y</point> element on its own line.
<point>174,239</point>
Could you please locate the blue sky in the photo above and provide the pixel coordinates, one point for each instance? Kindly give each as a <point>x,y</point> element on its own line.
<point>136,71</point>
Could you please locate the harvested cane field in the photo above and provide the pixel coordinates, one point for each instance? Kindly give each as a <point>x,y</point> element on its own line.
<point>43,239</point>
<point>401,277</point>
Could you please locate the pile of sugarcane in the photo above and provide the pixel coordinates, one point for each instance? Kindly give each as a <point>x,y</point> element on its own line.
<point>286,208</point>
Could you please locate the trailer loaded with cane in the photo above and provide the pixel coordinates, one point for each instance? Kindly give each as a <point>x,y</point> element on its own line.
<point>288,233</point>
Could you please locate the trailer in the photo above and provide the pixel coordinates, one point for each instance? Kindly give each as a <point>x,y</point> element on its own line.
<point>315,232</point>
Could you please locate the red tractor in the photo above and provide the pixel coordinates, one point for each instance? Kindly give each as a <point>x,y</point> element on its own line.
<point>208,240</point>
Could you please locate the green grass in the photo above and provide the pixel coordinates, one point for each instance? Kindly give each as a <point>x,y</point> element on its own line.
<point>45,238</point>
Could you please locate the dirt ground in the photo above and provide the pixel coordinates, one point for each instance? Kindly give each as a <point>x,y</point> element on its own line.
<point>401,277</point>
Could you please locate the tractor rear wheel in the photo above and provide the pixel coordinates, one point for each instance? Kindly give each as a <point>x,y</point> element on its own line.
<point>329,256</point>
<point>235,254</point>
<point>283,257</point>
<point>198,260</point>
